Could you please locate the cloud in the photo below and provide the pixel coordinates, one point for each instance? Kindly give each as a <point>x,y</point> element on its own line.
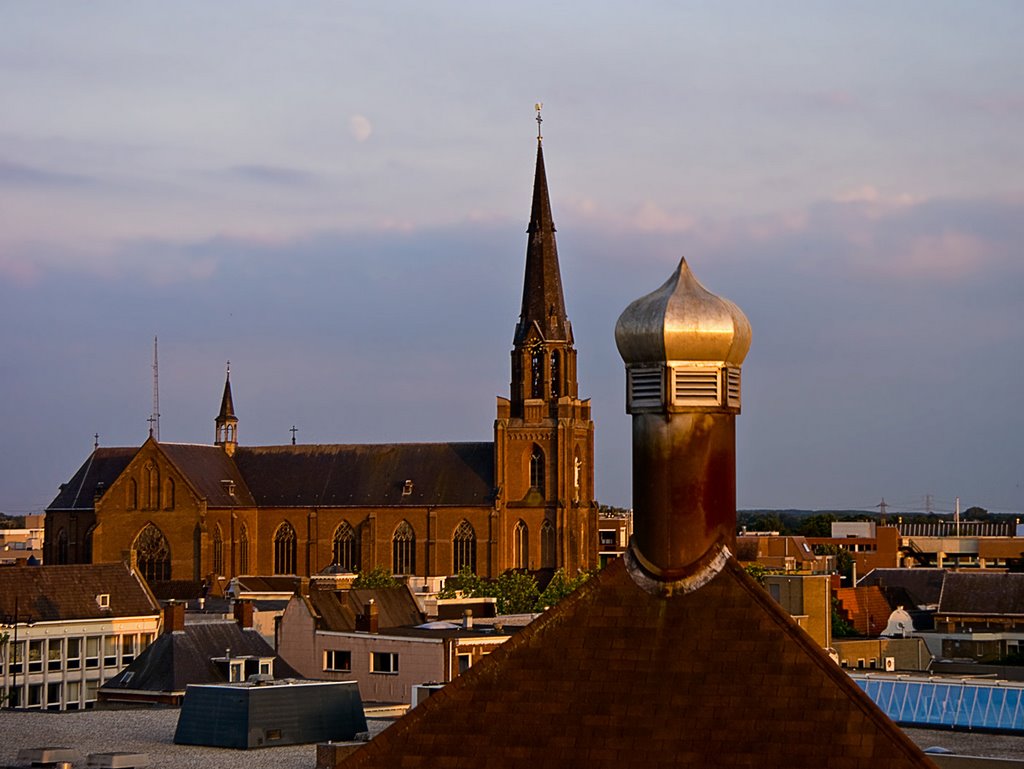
<point>19,174</point>
<point>360,127</point>
<point>273,175</point>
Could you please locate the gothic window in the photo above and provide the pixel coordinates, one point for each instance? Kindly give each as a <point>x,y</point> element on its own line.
<point>464,548</point>
<point>346,547</point>
<point>284,549</point>
<point>556,375</point>
<point>218,550</point>
<point>243,550</point>
<point>577,483</point>
<point>521,546</point>
<point>537,469</point>
<point>537,372</point>
<point>548,546</point>
<point>152,554</point>
<point>169,494</point>
<point>62,546</point>
<point>132,494</point>
<point>87,545</point>
<point>197,553</point>
<point>152,477</point>
<point>403,549</point>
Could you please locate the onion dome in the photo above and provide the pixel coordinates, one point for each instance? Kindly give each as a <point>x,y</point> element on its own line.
<point>682,321</point>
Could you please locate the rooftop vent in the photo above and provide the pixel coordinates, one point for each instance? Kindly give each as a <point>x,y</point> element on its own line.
<point>229,486</point>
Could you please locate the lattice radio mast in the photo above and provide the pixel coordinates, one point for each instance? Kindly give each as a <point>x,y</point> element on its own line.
<point>154,418</point>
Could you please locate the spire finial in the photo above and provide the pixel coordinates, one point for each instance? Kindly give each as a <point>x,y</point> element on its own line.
<point>229,370</point>
<point>96,441</point>
<point>293,431</point>
<point>539,106</point>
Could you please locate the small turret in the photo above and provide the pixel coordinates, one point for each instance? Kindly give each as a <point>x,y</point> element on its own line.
<point>227,422</point>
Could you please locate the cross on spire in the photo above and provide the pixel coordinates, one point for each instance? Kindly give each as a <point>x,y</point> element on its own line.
<point>539,106</point>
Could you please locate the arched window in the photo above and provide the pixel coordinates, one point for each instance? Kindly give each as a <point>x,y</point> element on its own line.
<point>577,477</point>
<point>152,475</point>
<point>284,549</point>
<point>87,545</point>
<point>464,548</point>
<point>169,495</point>
<point>132,494</point>
<point>243,550</point>
<point>548,545</point>
<point>556,374</point>
<point>346,547</point>
<point>152,554</point>
<point>62,546</point>
<point>537,469</point>
<point>218,550</point>
<point>521,546</point>
<point>197,553</point>
<point>537,372</point>
<point>403,549</point>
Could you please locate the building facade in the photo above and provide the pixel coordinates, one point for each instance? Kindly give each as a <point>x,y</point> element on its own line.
<point>521,501</point>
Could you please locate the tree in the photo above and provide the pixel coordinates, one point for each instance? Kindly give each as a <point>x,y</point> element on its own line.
<point>516,592</point>
<point>817,525</point>
<point>376,577</point>
<point>560,586</point>
<point>840,627</point>
<point>759,572</point>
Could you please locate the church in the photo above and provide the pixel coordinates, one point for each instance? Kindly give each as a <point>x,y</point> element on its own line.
<point>523,500</point>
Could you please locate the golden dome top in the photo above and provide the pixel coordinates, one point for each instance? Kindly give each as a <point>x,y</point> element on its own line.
<point>682,321</point>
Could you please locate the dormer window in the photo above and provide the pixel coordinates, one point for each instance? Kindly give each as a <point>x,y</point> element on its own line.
<point>103,600</point>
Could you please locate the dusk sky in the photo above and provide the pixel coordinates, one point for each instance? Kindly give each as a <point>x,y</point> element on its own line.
<point>334,196</point>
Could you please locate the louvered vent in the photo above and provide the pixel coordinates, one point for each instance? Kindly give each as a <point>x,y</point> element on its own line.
<point>645,387</point>
<point>733,378</point>
<point>696,387</point>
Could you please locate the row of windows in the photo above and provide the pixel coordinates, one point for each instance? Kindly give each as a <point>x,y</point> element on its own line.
<point>55,695</point>
<point>154,497</point>
<point>74,653</point>
<point>339,661</point>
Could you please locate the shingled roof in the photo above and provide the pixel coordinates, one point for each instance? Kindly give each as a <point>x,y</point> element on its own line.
<point>616,677</point>
<point>369,474</point>
<point>94,477</point>
<point>207,468</point>
<point>924,585</point>
<point>336,610</point>
<point>982,593</point>
<point>61,593</point>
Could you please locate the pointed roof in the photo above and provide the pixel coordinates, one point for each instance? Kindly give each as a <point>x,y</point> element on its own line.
<point>543,301</point>
<point>65,593</point>
<point>227,405</point>
<point>616,677</point>
<point>94,477</point>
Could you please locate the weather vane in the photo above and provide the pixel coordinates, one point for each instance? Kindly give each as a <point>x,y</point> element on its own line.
<point>539,106</point>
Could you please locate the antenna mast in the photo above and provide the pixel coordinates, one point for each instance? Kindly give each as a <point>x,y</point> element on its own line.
<point>154,418</point>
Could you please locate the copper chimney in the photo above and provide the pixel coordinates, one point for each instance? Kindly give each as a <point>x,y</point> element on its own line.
<point>682,347</point>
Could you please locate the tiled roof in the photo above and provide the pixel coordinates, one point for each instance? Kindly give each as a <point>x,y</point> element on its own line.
<point>177,659</point>
<point>866,608</point>
<point>102,467</point>
<point>923,584</point>
<point>615,677</point>
<point>56,593</point>
<point>207,468</point>
<point>337,609</point>
<point>982,593</point>
<point>369,474</point>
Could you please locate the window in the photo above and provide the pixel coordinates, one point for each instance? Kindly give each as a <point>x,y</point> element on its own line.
<point>152,554</point>
<point>54,653</point>
<point>403,549</point>
<point>145,639</point>
<point>548,546</point>
<point>92,651</point>
<point>384,662</point>
<point>577,482</point>
<point>35,657</point>
<point>284,549</point>
<point>152,476</point>
<point>62,546</point>
<point>337,661</point>
<point>127,648</point>
<point>537,469</point>
<point>17,657</point>
<point>74,694</point>
<point>464,548</point>
<point>87,546</point>
<point>346,548</point>
<point>74,661</point>
<point>465,662</point>
<point>218,550</point>
<point>53,695</point>
<point>132,494</point>
<point>90,691</point>
<point>556,375</point>
<point>109,651</point>
<point>169,494</point>
<point>35,696</point>
<point>521,546</point>
<point>236,671</point>
<point>266,667</point>
<point>243,550</point>
<point>537,371</point>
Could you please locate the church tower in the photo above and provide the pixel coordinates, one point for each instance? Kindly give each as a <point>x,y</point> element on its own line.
<point>543,435</point>
<point>227,422</point>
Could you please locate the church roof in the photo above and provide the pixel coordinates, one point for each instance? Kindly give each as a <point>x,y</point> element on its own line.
<point>455,474</point>
<point>212,473</point>
<point>543,300</point>
<point>96,475</point>
<point>617,677</point>
<point>61,593</point>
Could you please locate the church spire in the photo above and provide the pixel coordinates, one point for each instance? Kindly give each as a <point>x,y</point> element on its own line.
<point>543,301</point>
<point>227,422</point>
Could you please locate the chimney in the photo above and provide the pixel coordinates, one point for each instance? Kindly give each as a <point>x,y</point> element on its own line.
<point>682,347</point>
<point>174,617</point>
<point>368,621</point>
<point>467,619</point>
<point>244,614</point>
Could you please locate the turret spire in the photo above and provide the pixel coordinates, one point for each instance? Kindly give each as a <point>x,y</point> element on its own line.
<point>227,422</point>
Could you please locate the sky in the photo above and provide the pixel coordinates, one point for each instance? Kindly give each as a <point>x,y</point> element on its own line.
<point>334,195</point>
